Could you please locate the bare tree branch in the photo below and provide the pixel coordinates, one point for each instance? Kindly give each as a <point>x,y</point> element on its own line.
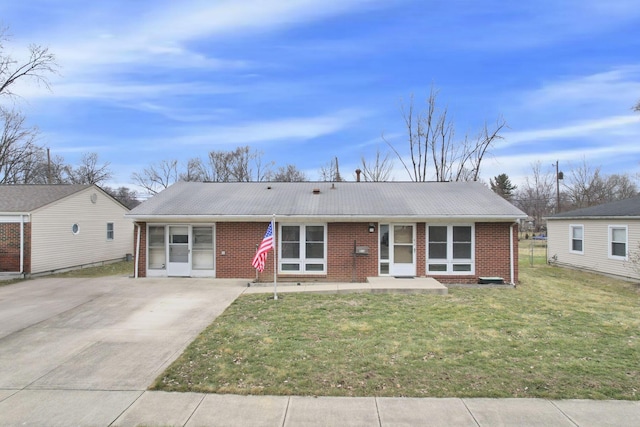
<point>18,149</point>
<point>431,138</point>
<point>40,63</point>
<point>380,170</point>
<point>156,178</point>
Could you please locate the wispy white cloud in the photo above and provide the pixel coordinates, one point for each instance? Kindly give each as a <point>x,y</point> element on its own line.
<point>263,131</point>
<point>524,25</point>
<point>582,129</point>
<point>617,86</point>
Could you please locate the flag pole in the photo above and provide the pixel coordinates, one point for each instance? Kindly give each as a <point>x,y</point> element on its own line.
<point>275,263</point>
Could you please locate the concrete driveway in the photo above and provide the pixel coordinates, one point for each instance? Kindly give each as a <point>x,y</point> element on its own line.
<point>90,336</point>
<point>112,333</point>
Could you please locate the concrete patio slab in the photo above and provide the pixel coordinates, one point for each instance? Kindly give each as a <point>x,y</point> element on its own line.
<point>158,408</point>
<point>64,407</point>
<point>602,413</point>
<point>413,285</point>
<point>332,411</point>
<point>516,412</point>
<point>233,410</point>
<point>406,412</point>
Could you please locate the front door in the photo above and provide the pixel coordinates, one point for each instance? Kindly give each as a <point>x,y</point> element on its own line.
<point>179,251</point>
<point>403,260</point>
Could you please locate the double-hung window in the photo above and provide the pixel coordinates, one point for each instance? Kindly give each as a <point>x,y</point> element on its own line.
<point>618,242</point>
<point>303,248</point>
<point>109,231</point>
<point>450,249</point>
<point>577,239</point>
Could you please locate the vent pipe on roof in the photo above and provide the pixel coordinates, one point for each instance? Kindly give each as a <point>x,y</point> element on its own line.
<point>358,172</point>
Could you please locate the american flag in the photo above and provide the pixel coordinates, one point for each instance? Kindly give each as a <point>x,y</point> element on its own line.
<point>265,246</point>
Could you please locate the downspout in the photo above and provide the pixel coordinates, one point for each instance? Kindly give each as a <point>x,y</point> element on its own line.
<point>22,244</point>
<point>135,274</point>
<point>511,261</point>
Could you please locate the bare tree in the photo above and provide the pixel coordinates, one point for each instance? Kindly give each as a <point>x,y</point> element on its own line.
<point>536,197</point>
<point>18,149</point>
<point>287,173</point>
<point>431,138</point>
<point>156,178</point>
<point>89,171</point>
<point>241,164</point>
<point>378,169</point>
<point>41,168</point>
<point>587,186</point>
<point>331,171</point>
<point>124,195</point>
<point>622,186</point>
<point>40,63</point>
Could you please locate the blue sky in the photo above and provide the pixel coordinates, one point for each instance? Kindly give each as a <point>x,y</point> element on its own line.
<point>304,81</point>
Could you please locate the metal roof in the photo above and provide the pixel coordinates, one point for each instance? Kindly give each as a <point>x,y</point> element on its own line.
<point>340,200</point>
<point>23,198</point>
<point>621,208</point>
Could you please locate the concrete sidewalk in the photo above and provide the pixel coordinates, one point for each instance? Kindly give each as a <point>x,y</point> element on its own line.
<point>153,408</point>
<point>81,352</point>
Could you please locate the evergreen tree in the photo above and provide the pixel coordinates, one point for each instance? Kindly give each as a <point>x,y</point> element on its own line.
<point>502,186</point>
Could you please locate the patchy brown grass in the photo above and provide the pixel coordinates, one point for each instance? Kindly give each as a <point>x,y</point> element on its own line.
<point>561,334</point>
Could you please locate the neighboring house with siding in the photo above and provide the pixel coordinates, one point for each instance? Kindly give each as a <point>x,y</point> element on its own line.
<point>455,232</point>
<point>599,238</point>
<point>47,228</point>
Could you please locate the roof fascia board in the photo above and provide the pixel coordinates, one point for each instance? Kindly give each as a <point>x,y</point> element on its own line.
<point>607,217</point>
<point>321,218</point>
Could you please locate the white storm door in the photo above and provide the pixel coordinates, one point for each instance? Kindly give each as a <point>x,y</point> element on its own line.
<point>403,259</point>
<point>179,251</point>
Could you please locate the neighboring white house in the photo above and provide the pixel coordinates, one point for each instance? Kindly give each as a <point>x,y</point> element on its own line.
<point>46,228</point>
<point>601,238</point>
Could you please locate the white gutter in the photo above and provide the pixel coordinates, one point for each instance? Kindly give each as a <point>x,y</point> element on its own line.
<point>325,218</point>
<point>21,244</point>
<point>137,257</point>
<point>511,261</point>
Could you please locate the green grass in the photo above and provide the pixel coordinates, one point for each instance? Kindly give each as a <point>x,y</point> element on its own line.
<point>122,268</point>
<point>560,334</point>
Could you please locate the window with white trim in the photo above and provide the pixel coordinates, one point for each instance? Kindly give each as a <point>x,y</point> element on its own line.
<point>109,231</point>
<point>157,257</point>
<point>450,249</point>
<point>577,239</point>
<point>618,242</point>
<point>303,249</point>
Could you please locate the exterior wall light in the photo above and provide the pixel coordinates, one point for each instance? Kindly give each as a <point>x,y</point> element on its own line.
<point>372,227</point>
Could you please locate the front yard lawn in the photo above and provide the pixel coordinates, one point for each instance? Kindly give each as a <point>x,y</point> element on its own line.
<point>561,334</point>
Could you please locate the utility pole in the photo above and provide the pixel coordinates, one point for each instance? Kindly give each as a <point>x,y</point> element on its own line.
<point>559,176</point>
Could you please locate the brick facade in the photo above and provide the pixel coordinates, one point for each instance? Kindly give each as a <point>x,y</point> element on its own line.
<point>236,245</point>
<point>10,247</point>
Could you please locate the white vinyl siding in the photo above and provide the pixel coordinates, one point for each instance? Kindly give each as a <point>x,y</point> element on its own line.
<point>576,242</point>
<point>596,245</point>
<point>54,246</point>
